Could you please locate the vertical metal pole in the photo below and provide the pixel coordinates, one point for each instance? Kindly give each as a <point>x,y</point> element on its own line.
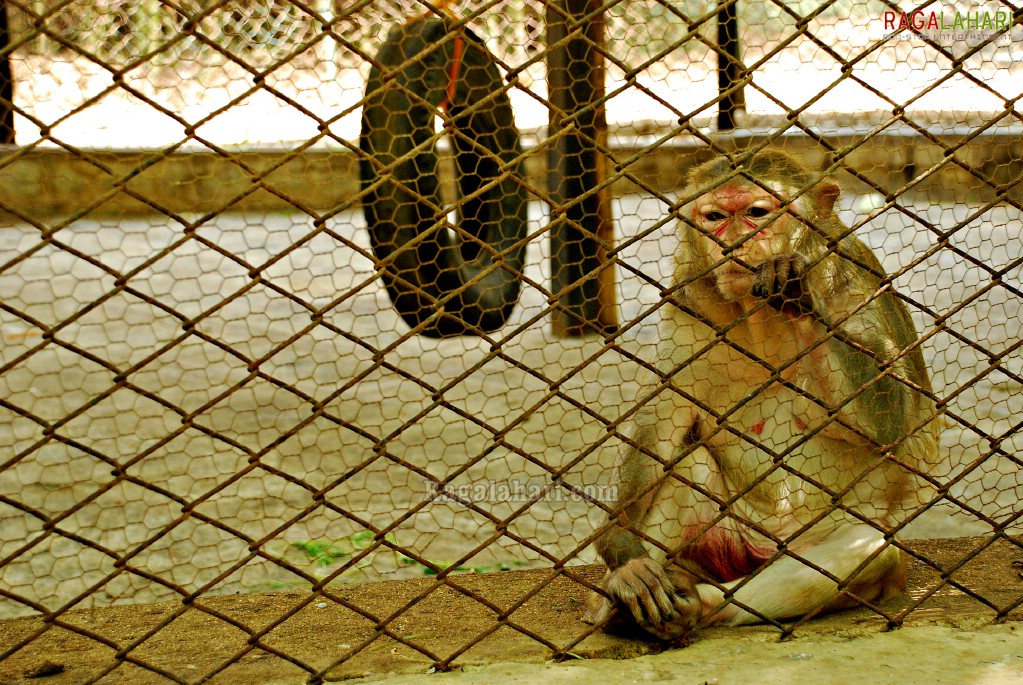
<point>581,279</point>
<point>326,50</point>
<point>729,66</point>
<point>6,80</point>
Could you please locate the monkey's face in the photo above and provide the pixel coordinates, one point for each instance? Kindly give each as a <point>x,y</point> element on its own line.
<point>740,226</point>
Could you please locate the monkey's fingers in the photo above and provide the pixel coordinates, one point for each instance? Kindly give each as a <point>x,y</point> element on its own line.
<point>780,282</point>
<point>645,589</point>
<point>685,612</point>
<point>660,595</point>
<point>765,279</point>
<point>688,609</point>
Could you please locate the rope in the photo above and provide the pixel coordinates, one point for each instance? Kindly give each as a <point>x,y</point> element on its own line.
<point>456,66</point>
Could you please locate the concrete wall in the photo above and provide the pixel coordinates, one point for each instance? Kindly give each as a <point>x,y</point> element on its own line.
<point>48,185</point>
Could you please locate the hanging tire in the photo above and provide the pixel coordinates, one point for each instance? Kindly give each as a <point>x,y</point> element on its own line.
<point>445,282</point>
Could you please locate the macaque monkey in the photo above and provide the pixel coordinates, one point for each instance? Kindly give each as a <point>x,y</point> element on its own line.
<point>776,444</point>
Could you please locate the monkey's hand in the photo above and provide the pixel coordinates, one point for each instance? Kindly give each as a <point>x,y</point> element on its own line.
<point>781,281</point>
<point>665,605</point>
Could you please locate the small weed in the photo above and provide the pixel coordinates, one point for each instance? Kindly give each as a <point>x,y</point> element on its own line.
<point>444,565</point>
<point>323,553</point>
<point>329,552</point>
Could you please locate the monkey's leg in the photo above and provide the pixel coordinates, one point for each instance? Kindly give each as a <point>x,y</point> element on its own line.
<point>789,588</point>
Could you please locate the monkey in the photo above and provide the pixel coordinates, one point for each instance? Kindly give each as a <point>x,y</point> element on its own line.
<point>786,422</point>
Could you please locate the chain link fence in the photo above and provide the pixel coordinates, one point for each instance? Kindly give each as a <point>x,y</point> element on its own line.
<point>214,379</point>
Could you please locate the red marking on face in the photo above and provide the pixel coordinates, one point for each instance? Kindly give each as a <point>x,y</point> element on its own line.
<point>758,427</point>
<point>724,556</point>
<point>723,226</point>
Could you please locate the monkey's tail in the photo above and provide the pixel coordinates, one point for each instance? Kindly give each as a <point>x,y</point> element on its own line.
<point>446,278</point>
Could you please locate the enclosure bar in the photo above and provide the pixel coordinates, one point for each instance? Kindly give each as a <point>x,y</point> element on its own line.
<point>6,80</point>
<point>582,282</point>
<point>731,100</point>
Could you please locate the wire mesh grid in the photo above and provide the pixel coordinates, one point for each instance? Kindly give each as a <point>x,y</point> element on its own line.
<point>216,378</point>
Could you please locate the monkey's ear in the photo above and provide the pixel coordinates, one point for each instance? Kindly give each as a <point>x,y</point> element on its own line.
<point>825,194</point>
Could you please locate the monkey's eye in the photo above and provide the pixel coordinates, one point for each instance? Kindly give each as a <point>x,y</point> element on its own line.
<point>759,212</point>
<point>714,216</point>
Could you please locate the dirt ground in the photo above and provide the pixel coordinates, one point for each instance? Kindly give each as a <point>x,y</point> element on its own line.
<point>461,622</point>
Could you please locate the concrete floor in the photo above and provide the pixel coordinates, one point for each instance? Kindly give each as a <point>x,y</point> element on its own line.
<point>925,655</point>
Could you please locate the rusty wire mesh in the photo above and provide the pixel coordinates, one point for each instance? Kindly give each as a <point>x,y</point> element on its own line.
<point>206,390</point>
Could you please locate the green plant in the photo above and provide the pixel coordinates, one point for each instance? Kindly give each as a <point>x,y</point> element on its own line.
<point>443,565</point>
<point>328,552</point>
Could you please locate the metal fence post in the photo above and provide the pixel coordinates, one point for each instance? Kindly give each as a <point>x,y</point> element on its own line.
<point>581,279</point>
<point>6,80</point>
<point>730,102</point>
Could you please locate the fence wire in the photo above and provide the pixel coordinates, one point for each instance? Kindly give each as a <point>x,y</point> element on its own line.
<point>217,380</point>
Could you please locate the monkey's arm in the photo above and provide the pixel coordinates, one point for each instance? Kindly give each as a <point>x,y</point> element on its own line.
<point>637,473</point>
<point>836,294</point>
<point>653,439</point>
<point>666,604</point>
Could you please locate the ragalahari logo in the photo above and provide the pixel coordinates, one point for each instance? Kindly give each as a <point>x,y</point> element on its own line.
<point>939,21</point>
<point>973,26</point>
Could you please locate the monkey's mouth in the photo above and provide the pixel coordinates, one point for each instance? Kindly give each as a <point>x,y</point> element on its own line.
<point>734,280</point>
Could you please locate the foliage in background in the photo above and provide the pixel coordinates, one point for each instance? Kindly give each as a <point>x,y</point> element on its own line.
<point>326,553</point>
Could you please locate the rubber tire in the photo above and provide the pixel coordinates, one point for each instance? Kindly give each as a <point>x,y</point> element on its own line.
<point>436,279</point>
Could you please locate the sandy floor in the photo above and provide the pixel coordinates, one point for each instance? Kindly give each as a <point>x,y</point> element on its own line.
<point>176,479</point>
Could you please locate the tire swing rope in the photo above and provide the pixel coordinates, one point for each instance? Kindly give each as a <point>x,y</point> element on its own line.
<point>443,282</point>
<point>453,72</point>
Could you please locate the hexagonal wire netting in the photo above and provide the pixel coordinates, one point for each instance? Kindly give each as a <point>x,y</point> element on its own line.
<point>214,379</point>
